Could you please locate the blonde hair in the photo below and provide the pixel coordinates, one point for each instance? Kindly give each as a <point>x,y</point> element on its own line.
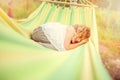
<point>82,31</point>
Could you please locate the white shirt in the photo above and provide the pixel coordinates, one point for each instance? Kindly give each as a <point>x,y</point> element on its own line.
<point>55,32</point>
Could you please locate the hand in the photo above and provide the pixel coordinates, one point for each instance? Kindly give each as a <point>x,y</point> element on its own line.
<point>84,41</point>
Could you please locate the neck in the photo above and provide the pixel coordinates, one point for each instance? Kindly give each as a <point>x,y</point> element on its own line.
<point>75,28</point>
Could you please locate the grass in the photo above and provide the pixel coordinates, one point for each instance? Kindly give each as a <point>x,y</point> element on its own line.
<point>108,28</point>
<point>19,7</point>
<point>108,24</point>
<point>23,12</point>
<point>109,39</point>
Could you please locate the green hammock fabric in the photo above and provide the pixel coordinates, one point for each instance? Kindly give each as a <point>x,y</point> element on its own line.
<point>23,59</point>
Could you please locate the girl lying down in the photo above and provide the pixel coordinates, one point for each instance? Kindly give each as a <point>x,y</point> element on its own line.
<point>61,37</point>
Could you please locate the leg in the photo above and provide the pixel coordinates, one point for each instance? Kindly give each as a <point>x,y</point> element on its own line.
<point>39,36</point>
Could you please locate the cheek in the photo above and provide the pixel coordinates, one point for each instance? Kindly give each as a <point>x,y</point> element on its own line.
<point>77,40</point>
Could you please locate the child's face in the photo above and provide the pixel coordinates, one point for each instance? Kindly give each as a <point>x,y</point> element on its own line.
<point>81,35</point>
<point>76,39</point>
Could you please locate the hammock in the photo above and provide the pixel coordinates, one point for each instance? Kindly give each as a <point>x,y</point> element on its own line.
<point>23,59</point>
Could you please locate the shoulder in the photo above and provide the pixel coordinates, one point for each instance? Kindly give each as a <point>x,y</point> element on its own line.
<point>70,30</point>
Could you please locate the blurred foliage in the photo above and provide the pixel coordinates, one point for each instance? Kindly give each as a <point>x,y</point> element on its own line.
<point>20,8</point>
<point>108,24</point>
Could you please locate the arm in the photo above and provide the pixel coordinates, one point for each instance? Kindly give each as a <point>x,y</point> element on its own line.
<point>69,35</point>
<point>72,46</point>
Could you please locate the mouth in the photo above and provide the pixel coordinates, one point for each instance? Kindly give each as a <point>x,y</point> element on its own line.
<point>74,41</point>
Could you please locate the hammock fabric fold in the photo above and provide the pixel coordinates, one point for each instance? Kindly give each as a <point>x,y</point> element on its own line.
<point>23,59</point>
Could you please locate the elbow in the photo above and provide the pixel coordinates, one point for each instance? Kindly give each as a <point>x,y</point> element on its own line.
<point>67,47</point>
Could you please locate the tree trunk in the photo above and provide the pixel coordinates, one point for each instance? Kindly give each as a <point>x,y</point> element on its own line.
<point>10,10</point>
<point>27,4</point>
